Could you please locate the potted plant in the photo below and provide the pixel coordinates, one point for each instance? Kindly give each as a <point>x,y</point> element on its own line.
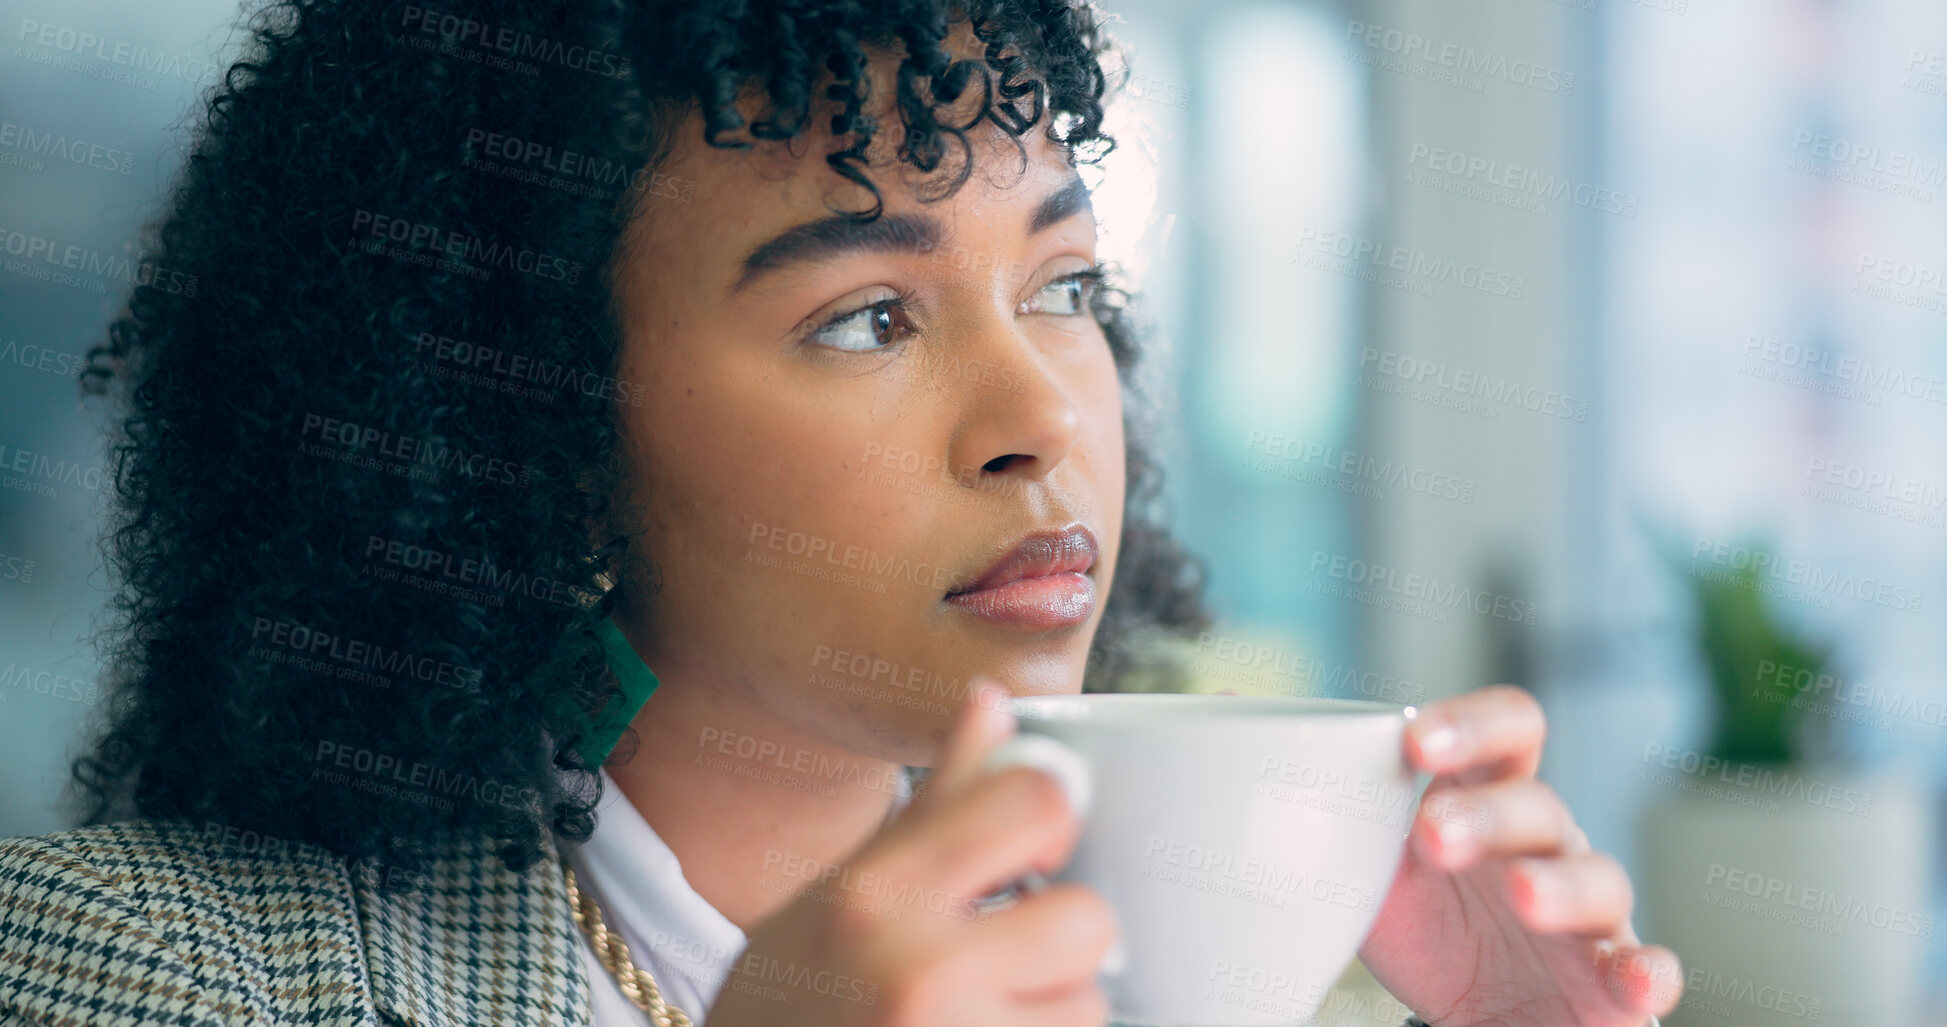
<point>1792,883</point>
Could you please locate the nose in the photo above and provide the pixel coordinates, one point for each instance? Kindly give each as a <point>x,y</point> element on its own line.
<point>1017,419</point>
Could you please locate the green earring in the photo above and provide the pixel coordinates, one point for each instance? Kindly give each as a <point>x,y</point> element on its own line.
<point>638,684</point>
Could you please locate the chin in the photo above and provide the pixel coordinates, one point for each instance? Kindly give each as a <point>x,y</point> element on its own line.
<point>909,726</point>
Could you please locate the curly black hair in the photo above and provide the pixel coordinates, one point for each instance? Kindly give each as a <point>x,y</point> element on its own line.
<point>330,535</point>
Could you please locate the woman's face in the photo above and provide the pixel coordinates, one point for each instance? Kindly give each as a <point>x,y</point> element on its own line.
<point>846,426</point>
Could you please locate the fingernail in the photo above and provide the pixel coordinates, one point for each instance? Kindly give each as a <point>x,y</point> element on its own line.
<point>983,694</point>
<point>1115,959</point>
<point>1440,742</point>
<point>994,711</point>
<point>1455,840</point>
<point>1543,885</point>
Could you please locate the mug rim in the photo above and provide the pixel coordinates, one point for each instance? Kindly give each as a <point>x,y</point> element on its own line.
<point>1248,707</point>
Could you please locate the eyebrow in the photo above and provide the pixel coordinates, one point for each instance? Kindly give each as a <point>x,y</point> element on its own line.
<point>913,234</point>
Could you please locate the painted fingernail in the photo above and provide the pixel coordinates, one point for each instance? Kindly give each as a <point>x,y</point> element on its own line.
<point>1116,959</point>
<point>996,714</point>
<point>1456,840</point>
<point>987,695</point>
<point>1440,742</point>
<point>1542,884</point>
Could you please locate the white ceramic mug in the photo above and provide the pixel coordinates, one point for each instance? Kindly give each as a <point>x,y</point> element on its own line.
<point>1245,843</point>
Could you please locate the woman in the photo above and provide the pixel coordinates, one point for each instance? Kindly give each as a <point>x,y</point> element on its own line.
<point>759,344</point>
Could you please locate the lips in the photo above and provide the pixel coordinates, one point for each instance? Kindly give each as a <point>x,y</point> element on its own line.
<point>1042,582</point>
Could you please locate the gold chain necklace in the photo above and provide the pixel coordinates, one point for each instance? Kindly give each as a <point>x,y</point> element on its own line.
<point>637,984</point>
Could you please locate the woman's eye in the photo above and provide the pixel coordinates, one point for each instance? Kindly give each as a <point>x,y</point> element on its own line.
<point>1065,296</point>
<point>865,329</point>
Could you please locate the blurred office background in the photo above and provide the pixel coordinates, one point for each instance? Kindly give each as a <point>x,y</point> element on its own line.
<point>1496,341</point>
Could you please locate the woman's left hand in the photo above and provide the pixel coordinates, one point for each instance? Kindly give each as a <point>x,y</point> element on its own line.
<point>1501,913</point>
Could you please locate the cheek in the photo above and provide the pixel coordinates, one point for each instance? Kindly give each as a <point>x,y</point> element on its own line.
<point>1108,472</point>
<point>759,521</point>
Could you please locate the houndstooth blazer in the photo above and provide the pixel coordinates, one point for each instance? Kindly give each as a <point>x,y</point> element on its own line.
<point>166,921</point>
<point>163,921</point>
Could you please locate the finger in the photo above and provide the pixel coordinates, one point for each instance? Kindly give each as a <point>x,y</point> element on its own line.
<point>983,721</point>
<point>1083,1005</point>
<point>1050,943</point>
<point>1493,733</point>
<point>1458,826</point>
<point>1646,980</point>
<point>1582,894</point>
<point>1578,839</point>
<point>987,833</point>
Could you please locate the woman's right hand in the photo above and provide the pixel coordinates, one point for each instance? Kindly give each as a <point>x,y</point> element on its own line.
<point>840,954</point>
